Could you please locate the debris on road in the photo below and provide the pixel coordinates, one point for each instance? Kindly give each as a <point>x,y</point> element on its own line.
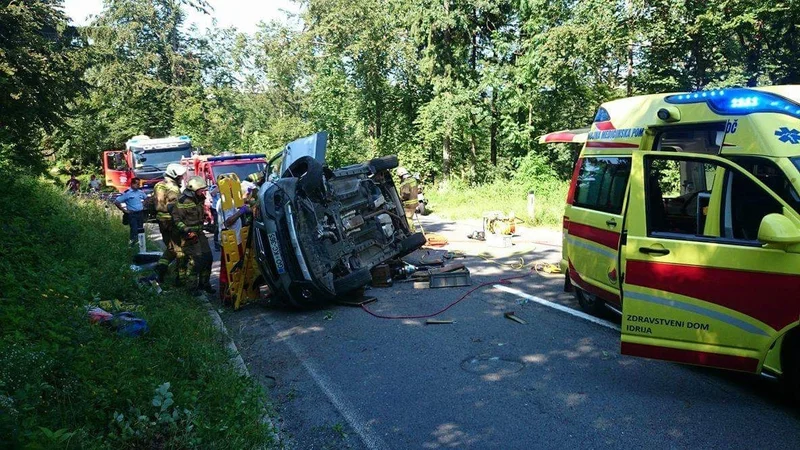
<point>511,316</point>
<point>439,322</point>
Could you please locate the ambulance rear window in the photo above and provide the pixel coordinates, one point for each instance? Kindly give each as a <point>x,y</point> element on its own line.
<point>601,183</point>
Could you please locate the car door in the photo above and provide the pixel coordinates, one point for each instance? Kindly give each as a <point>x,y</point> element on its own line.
<point>593,224</point>
<point>117,169</point>
<point>713,283</point>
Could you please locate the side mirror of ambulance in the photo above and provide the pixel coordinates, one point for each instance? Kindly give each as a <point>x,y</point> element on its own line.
<point>778,231</point>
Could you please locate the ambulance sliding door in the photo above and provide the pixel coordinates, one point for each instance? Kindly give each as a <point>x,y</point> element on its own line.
<point>699,286</point>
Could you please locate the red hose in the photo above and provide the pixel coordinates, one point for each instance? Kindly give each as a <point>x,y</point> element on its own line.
<point>426,316</point>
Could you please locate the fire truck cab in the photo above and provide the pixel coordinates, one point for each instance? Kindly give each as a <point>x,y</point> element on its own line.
<point>683,215</point>
<point>144,158</point>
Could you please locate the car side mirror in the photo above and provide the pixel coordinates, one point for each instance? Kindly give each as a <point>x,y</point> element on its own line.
<point>779,231</point>
<point>142,159</point>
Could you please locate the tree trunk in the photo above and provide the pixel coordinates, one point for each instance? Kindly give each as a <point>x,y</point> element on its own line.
<point>446,155</point>
<point>493,128</point>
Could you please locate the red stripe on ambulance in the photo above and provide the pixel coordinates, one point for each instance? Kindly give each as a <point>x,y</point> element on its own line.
<point>607,238</point>
<point>768,297</point>
<point>691,357</point>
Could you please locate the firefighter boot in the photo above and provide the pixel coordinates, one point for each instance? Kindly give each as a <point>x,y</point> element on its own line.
<point>161,271</point>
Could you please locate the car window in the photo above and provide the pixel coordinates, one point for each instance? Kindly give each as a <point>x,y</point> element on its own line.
<point>702,138</point>
<point>746,204</point>
<point>679,192</point>
<point>772,176</point>
<point>601,183</point>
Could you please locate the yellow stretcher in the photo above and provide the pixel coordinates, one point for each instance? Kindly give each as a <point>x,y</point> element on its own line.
<point>241,269</point>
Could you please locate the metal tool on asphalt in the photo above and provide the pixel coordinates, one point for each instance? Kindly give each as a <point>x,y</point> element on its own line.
<point>511,316</point>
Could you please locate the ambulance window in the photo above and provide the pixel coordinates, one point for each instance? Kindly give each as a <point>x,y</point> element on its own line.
<point>601,184</point>
<point>677,194</point>
<point>702,138</point>
<point>772,176</point>
<point>746,204</point>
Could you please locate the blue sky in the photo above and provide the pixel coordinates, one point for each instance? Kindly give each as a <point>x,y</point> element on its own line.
<point>243,14</point>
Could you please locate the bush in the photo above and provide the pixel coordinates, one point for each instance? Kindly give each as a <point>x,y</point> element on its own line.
<point>68,383</point>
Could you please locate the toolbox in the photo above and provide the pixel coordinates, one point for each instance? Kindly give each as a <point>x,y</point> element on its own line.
<point>456,278</point>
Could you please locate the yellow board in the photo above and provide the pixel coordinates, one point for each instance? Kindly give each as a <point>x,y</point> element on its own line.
<point>241,269</point>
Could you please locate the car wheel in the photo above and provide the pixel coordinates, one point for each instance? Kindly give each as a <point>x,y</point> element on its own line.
<point>352,281</point>
<point>383,163</point>
<point>590,303</point>
<point>412,243</point>
<point>310,175</point>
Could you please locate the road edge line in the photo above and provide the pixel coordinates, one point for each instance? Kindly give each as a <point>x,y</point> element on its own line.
<point>557,306</point>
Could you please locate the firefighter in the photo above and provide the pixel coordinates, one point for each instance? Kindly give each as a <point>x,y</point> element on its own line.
<point>409,194</point>
<point>188,216</point>
<point>166,195</point>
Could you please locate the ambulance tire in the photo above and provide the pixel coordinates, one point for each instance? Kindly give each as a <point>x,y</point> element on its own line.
<point>590,303</point>
<point>791,366</point>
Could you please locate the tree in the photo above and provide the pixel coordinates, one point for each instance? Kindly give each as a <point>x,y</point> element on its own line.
<point>41,62</point>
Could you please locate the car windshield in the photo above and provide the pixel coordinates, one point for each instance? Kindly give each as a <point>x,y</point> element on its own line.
<point>160,158</point>
<point>241,170</point>
<point>796,161</point>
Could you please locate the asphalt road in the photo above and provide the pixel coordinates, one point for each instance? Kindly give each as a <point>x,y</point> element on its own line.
<point>341,378</point>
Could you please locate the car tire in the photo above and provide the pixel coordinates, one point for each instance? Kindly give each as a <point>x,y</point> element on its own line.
<point>590,303</point>
<point>383,163</point>
<point>352,281</point>
<point>310,176</point>
<point>412,243</point>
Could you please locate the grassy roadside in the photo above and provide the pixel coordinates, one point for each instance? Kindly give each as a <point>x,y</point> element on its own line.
<point>459,201</point>
<point>67,383</point>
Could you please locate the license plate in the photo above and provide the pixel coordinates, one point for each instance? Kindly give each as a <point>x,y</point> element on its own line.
<point>276,254</point>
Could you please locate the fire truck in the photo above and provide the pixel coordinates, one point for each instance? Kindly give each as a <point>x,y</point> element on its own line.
<point>211,167</point>
<point>144,158</point>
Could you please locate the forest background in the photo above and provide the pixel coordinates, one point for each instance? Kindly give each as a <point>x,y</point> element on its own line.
<point>459,89</point>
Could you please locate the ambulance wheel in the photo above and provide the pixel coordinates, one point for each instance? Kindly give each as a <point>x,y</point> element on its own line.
<point>590,303</point>
<point>791,367</point>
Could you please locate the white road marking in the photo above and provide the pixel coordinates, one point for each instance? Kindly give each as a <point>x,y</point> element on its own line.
<point>370,439</point>
<point>561,308</point>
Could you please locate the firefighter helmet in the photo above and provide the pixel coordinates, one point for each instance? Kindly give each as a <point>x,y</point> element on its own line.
<point>175,171</point>
<point>196,183</point>
<point>402,172</point>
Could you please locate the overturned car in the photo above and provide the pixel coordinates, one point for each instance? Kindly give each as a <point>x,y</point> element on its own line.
<point>318,232</point>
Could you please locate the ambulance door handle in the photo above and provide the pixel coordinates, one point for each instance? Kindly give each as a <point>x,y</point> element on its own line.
<point>654,251</point>
<point>611,223</point>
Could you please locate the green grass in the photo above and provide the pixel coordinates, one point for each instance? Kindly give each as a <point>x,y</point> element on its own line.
<point>67,383</point>
<point>459,201</point>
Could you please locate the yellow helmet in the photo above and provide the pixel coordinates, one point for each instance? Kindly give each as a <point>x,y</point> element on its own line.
<point>196,183</point>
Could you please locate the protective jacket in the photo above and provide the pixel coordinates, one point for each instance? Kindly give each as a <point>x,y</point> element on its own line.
<point>166,193</point>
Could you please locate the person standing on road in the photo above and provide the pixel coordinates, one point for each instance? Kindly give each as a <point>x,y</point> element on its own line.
<point>166,194</point>
<point>409,194</point>
<point>133,199</point>
<point>94,184</point>
<point>73,185</point>
<point>188,215</point>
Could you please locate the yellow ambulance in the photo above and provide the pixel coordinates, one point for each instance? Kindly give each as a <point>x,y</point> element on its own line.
<point>683,215</point>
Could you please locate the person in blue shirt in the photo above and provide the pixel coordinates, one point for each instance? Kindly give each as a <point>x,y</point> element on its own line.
<point>133,199</point>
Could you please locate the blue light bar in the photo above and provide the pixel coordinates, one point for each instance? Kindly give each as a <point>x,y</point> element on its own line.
<point>739,102</point>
